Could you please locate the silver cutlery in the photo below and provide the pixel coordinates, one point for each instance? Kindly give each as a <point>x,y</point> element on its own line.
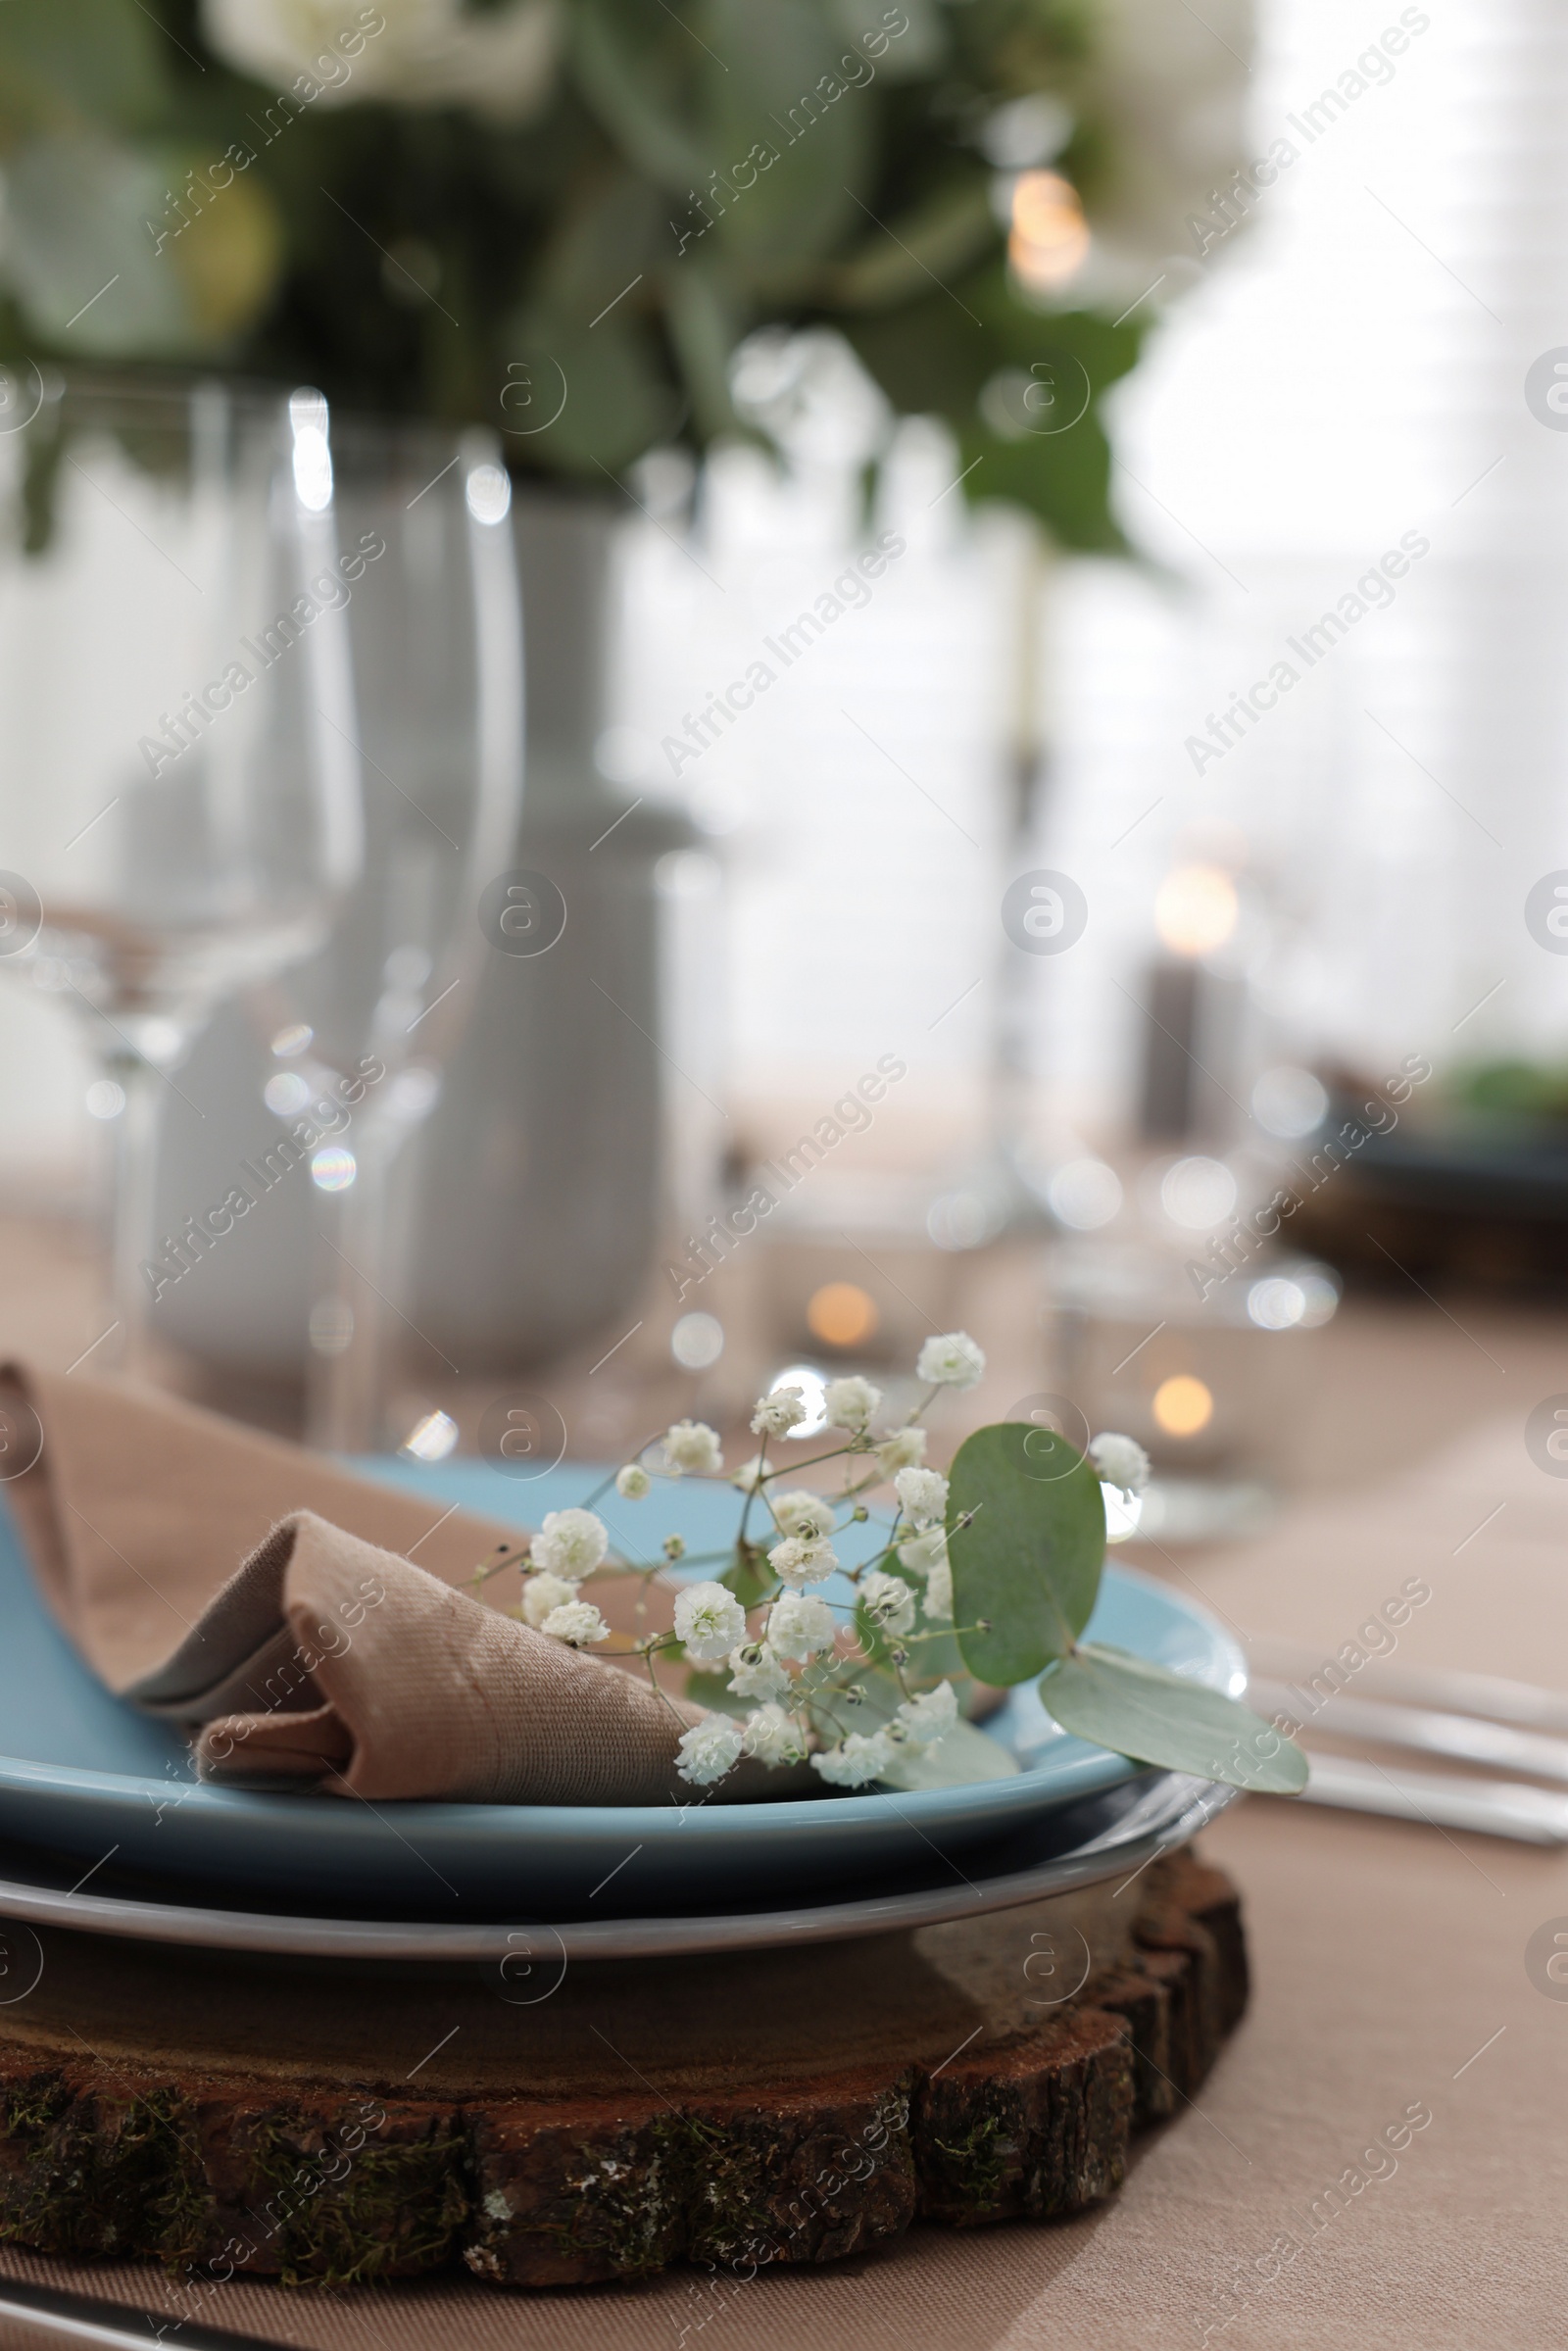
<point>1523,1703</point>
<point>1492,1807</point>
<point>1463,1737</point>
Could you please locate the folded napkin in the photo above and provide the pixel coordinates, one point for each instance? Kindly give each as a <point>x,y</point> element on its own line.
<point>271,1602</point>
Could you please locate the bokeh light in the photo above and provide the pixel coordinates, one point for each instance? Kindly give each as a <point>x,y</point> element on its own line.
<point>1050,240</point>
<point>1195,910</point>
<point>1183,1406</point>
<point>841,1315</point>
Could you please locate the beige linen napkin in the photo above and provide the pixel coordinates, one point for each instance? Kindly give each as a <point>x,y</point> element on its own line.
<point>270,1600</point>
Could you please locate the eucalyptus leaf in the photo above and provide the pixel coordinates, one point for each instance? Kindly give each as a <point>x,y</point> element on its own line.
<point>919,48</point>
<point>792,126</point>
<point>80,254</point>
<point>1026,1539</point>
<point>948,234</point>
<point>616,401</point>
<point>633,92</point>
<point>65,69</point>
<point>705,332</point>
<point>960,1759</point>
<point>1155,1716</point>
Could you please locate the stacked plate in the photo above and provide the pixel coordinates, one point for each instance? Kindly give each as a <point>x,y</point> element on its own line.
<point>106,1830</point>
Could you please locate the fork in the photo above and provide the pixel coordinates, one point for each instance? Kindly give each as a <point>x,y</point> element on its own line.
<point>1448,1714</point>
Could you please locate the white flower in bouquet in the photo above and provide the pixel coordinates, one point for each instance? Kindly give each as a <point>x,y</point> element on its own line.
<point>849,1404</point>
<point>633,1482</point>
<point>806,1514</point>
<point>575,1622</point>
<point>922,1495</point>
<point>937,1597</point>
<point>570,1543</point>
<point>1121,1462</point>
<point>800,1626</point>
<point>924,1551</point>
<point>710,1749</point>
<point>692,1445</point>
<point>801,1559</point>
<point>903,1449</point>
<point>422,52</point>
<point>930,1716</point>
<point>541,1595</point>
<point>779,1411</point>
<point>862,1757</point>
<point>952,1361</point>
<point>710,1621</point>
<point>774,1737</point>
<point>756,1672</point>
<point>888,1602</point>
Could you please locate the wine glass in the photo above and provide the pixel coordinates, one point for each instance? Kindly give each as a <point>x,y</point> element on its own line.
<point>438,656</point>
<point>180,809</point>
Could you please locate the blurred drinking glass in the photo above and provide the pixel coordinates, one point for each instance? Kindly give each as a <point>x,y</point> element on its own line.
<point>180,810</point>
<point>438,661</point>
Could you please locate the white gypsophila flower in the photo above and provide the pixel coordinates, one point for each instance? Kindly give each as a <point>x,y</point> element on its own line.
<point>888,1602</point>
<point>710,1621</point>
<point>542,1594</point>
<point>779,1411</point>
<point>951,1361</point>
<point>930,1716</point>
<point>801,1513</point>
<point>751,1474</point>
<point>633,1482</point>
<point>755,1672</point>
<point>692,1445</point>
<point>800,1626</point>
<point>862,1757</point>
<point>570,1543</point>
<point>924,1551</point>
<point>849,1404</point>
<point>1121,1463</point>
<point>800,1560</point>
<point>922,1495</point>
<point>575,1622</point>
<point>773,1737</point>
<point>424,53</point>
<point>903,1449</point>
<point>937,1597</point>
<point>710,1749</point>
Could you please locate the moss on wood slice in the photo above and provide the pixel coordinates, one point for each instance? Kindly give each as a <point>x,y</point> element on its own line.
<point>338,2127</point>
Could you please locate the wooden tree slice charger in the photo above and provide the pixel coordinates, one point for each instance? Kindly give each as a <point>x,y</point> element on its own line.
<point>553,2126</point>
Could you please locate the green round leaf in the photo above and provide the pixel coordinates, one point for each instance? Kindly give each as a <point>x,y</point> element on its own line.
<point>1155,1716</point>
<point>962,1758</point>
<point>1027,1562</point>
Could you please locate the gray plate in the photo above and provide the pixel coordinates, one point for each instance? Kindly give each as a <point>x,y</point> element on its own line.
<point>1130,1828</point>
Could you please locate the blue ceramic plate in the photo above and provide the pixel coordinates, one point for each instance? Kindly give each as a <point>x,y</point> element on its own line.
<point>84,1774</point>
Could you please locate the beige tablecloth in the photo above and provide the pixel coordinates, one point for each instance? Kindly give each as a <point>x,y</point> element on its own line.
<point>1390,1977</point>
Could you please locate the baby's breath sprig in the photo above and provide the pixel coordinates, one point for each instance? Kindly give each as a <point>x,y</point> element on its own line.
<point>805,1669</point>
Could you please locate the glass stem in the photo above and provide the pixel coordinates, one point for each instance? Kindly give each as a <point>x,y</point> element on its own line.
<point>355,1324</point>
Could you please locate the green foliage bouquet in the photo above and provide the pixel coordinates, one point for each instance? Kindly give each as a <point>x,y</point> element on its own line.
<point>563,218</point>
<point>978,1580</point>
